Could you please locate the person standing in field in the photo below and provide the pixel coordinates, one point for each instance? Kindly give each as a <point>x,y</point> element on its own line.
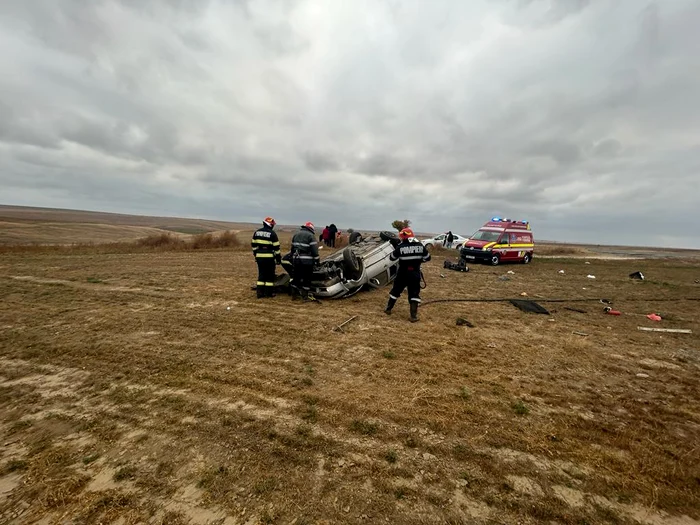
<point>304,256</point>
<point>450,239</point>
<point>411,254</point>
<point>266,249</point>
<point>325,235</point>
<point>332,232</point>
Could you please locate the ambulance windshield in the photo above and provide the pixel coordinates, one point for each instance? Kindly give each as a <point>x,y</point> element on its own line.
<point>487,236</point>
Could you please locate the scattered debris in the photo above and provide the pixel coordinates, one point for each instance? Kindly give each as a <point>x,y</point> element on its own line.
<point>529,306</point>
<point>671,330</point>
<point>582,334</point>
<point>504,278</point>
<point>586,262</point>
<point>461,321</point>
<point>642,375</point>
<point>637,275</point>
<point>442,275</point>
<point>590,276</point>
<point>610,311</point>
<point>561,272</point>
<point>572,309</point>
<point>492,345</point>
<point>340,326</point>
<point>524,294</point>
<point>654,317</point>
<point>606,301</point>
<point>228,307</point>
<point>459,266</point>
<point>510,272</point>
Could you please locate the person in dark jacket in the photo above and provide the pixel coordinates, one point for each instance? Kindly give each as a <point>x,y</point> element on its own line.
<point>266,249</point>
<point>332,233</point>
<point>411,254</point>
<point>304,256</point>
<point>449,239</point>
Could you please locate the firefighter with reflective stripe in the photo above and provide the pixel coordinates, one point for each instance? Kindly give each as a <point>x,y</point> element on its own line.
<point>411,254</point>
<point>304,256</point>
<point>266,249</point>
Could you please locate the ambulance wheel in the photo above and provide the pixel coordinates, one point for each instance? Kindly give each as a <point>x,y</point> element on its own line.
<point>526,259</point>
<point>495,260</point>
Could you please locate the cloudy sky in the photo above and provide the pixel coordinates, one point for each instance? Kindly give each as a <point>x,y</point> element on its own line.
<point>582,116</point>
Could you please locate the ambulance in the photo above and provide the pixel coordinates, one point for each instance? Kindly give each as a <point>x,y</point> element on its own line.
<point>500,240</point>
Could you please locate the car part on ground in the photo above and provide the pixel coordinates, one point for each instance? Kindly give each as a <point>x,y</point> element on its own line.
<point>459,266</point>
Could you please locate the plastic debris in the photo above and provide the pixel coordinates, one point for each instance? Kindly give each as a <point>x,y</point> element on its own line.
<point>670,330</point>
<point>582,334</point>
<point>524,294</point>
<point>610,311</point>
<point>586,262</point>
<point>642,375</point>
<point>504,278</point>
<point>637,275</point>
<point>561,271</point>
<point>590,276</point>
<point>511,272</point>
<point>654,317</point>
<point>228,307</point>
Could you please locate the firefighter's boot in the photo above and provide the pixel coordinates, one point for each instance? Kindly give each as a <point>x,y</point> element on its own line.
<point>260,291</point>
<point>414,311</point>
<point>389,306</point>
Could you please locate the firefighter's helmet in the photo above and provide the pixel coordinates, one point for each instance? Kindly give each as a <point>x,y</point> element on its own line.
<point>310,226</point>
<point>269,221</point>
<point>406,233</point>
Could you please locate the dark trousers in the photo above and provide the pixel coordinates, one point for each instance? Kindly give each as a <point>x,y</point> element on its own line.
<point>266,276</point>
<point>302,276</point>
<point>410,280</point>
<point>331,241</point>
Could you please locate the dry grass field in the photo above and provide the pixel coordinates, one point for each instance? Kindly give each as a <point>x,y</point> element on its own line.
<point>142,385</point>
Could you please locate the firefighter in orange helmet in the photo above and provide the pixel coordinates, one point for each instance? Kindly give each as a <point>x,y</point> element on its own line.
<point>411,254</point>
<point>266,249</point>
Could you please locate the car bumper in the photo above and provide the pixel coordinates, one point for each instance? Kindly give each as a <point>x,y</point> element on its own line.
<point>471,255</point>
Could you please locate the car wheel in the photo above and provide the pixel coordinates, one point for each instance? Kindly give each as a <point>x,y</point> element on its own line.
<point>388,236</point>
<point>428,246</point>
<point>526,259</point>
<point>351,263</point>
<point>495,260</point>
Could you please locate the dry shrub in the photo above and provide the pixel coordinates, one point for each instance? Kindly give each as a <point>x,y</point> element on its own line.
<point>553,249</point>
<point>161,240</point>
<point>225,239</point>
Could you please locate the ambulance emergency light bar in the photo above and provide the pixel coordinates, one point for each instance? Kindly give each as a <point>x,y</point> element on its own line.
<point>498,219</point>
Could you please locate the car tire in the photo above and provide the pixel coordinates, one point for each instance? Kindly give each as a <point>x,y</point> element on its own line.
<point>428,246</point>
<point>388,236</point>
<point>495,260</point>
<point>351,264</point>
<point>527,258</point>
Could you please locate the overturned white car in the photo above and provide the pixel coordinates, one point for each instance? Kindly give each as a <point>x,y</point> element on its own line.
<point>366,263</point>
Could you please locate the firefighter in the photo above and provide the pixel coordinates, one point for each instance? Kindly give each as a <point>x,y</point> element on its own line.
<point>266,249</point>
<point>411,254</point>
<point>304,256</point>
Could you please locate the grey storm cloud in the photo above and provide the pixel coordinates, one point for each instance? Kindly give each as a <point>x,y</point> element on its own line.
<point>578,115</point>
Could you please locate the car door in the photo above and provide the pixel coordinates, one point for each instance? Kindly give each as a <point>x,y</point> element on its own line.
<point>507,253</point>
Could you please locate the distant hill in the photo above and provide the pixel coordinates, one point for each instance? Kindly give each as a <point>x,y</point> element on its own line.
<point>30,225</point>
